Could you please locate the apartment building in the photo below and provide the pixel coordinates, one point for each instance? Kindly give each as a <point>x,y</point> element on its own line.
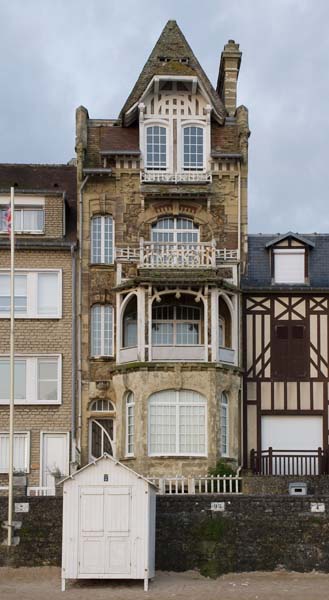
<point>162,232</point>
<point>45,232</point>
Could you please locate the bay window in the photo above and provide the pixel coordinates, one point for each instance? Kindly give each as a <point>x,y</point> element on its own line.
<point>37,294</point>
<point>176,325</point>
<point>37,379</point>
<point>224,425</point>
<point>102,330</point>
<point>177,423</point>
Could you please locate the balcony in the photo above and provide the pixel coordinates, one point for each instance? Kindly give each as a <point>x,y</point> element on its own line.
<point>173,255</point>
<point>184,177</point>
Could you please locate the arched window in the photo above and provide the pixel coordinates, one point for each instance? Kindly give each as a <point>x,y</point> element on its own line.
<point>193,148</point>
<point>130,424</point>
<point>176,325</point>
<point>102,406</point>
<point>102,239</point>
<point>130,324</point>
<point>101,437</point>
<point>177,423</point>
<point>175,229</point>
<point>224,425</point>
<point>156,148</point>
<point>102,330</point>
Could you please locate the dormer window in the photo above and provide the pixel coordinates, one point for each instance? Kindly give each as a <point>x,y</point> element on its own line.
<point>289,265</point>
<point>193,146</point>
<point>156,148</point>
<point>27,220</point>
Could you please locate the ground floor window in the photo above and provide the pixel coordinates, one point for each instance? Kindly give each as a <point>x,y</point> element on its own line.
<point>101,437</point>
<point>224,425</point>
<point>21,452</point>
<point>177,423</point>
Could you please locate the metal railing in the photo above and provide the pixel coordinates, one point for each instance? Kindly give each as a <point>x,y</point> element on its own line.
<point>149,176</point>
<point>289,462</point>
<point>212,484</point>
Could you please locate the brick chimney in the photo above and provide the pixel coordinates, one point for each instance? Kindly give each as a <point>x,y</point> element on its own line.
<point>228,75</point>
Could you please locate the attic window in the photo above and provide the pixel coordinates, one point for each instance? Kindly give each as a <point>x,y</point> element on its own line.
<point>184,60</point>
<point>289,265</point>
<point>164,59</point>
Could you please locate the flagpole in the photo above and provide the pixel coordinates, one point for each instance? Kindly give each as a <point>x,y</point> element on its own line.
<point>12,368</point>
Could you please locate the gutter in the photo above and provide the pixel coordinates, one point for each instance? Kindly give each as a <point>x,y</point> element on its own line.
<point>73,379</point>
<point>79,341</point>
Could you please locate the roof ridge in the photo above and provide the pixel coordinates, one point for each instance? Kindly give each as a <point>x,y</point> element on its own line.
<point>37,165</point>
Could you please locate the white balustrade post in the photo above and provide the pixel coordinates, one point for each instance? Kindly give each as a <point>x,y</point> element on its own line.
<point>141,252</point>
<point>213,253</point>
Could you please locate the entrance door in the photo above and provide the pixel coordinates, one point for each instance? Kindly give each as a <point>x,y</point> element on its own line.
<point>105,531</point>
<point>54,457</point>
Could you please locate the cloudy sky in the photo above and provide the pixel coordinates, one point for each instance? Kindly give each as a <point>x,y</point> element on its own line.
<point>58,54</point>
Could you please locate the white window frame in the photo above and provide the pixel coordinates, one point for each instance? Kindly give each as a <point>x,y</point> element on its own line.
<point>43,433</point>
<point>130,408</point>
<point>224,407</point>
<point>32,381</point>
<point>288,252</point>
<point>174,322</point>
<point>32,294</point>
<point>180,147</point>
<point>177,404</point>
<point>102,240</point>
<point>143,135</point>
<point>175,231</point>
<point>27,435</point>
<point>21,204</point>
<point>102,329</point>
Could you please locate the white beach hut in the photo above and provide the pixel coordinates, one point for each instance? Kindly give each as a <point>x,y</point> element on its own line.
<point>108,523</point>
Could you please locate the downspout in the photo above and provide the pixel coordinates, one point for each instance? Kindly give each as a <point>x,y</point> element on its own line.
<point>74,345</point>
<point>239,306</point>
<point>79,341</point>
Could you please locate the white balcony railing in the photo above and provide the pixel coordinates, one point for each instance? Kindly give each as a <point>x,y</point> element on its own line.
<point>184,177</point>
<point>173,255</point>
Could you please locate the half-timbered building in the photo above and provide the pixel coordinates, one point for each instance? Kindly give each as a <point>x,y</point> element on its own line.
<point>286,353</point>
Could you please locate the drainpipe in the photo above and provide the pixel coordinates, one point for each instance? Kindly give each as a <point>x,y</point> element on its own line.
<point>74,333</point>
<point>79,341</point>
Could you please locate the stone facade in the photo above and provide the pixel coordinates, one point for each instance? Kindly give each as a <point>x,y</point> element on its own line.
<point>114,181</point>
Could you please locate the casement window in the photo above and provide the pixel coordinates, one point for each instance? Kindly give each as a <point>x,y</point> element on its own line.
<point>193,148</point>
<point>102,239</point>
<point>290,354</point>
<point>38,294</point>
<point>102,330</point>
<point>156,148</point>
<point>177,423</point>
<point>101,437</point>
<point>130,424</point>
<point>27,220</point>
<point>289,265</point>
<point>37,379</point>
<point>21,452</point>
<point>224,425</point>
<point>176,325</point>
<point>130,324</point>
<point>175,230</point>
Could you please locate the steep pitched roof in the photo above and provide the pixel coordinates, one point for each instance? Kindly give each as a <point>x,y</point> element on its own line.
<point>172,46</point>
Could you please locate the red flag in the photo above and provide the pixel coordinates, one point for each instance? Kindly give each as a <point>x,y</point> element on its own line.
<point>8,219</point>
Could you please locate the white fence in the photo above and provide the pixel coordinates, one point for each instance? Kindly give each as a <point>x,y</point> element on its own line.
<point>41,491</point>
<point>214,484</point>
